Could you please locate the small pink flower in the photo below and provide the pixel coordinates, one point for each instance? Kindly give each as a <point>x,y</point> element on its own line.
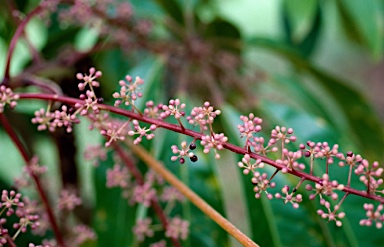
<point>283,134</point>
<point>119,176</point>
<point>289,197</point>
<point>171,194</point>
<point>203,116</point>
<point>374,216</point>
<point>95,154</point>
<point>68,200</point>
<point>7,97</point>
<point>215,141</point>
<point>174,108</point>
<point>141,131</point>
<point>89,79</point>
<point>144,194</point>
<point>177,228</point>
<point>142,229</point>
<point>332,215</point>
<point>129,91</point>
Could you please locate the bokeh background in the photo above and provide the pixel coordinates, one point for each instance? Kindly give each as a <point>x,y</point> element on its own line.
<point>316,66</point>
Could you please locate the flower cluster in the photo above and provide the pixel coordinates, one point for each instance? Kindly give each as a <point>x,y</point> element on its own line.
<point>129,91</point>
<point>115,130</point>
<point>367,176</point>
<point>248,165</point>
<point>142,229</point>
<point>175,108</point>
<point>326,187</point>
<point>118,176</point>
<point>215,141</point>
<point>141,132</point>
<point>262,183</point>
<point>177,228</point>
<point>332,215</point>
<point>283,134</point>
<point>185,151</point>
<point>289,197</point>
<point>374,216</point>
<point>203,116</point>
<point>68,200</point>
<point>52,120</point>
<point>250,126</point>
<point>12,204</point>
<point>152,110</point>
<point>94,154</point>
<point>290,160</point>
<point>7,97</point>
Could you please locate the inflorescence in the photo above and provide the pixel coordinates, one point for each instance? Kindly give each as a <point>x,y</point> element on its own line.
<point>278,146</point>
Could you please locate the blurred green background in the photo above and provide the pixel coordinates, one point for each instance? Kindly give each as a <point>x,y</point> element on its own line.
<point>316,66</point>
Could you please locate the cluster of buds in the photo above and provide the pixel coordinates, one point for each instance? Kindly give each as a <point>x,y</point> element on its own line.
<point>374,216</point>
<point>152,111</point>
<point>129,91</point>
<point>185,151</point>
<point>7,97</point>
<point>332,215</point>
<point>203,116</point>
<point>290,160</point>
<point>11,203</point>
<point>52,120</point>
<point>215,141</point>
<point>250,126</point>
<point>283,134</point>
<point>367,176</point>
<point>175,108</point>
<point>141,131</point>
<point>326,187</point>
<point>289,197</point>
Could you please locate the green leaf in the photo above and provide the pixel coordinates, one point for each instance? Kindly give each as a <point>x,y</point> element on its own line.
<point>363,20</point>
<point>113,217</point>
<point>173,9</point>
<point>85,39</point>
<point>223,33</point>
<point>300,14</point>
<point>37,33</point>
<point>302,25</point>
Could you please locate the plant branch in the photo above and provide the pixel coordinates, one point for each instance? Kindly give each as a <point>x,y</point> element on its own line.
<point>197,136</point>
<point>12,134</point>
<point>192,196</point>
<point>15,38</point>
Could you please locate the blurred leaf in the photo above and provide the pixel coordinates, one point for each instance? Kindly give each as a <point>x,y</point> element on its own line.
<point>302,25</point>
<point>223,33</point>
<point>113,217</point>
<point>173,9</point>
<point>37,33</point>
<point>362,21</point>
<point>85,39</point>
<point>300,14</point>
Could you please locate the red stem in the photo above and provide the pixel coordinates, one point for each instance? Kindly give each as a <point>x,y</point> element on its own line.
<point>195,135</point>
<point>15,38</point>
<point>10,241</point>
<point>24,153</point>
